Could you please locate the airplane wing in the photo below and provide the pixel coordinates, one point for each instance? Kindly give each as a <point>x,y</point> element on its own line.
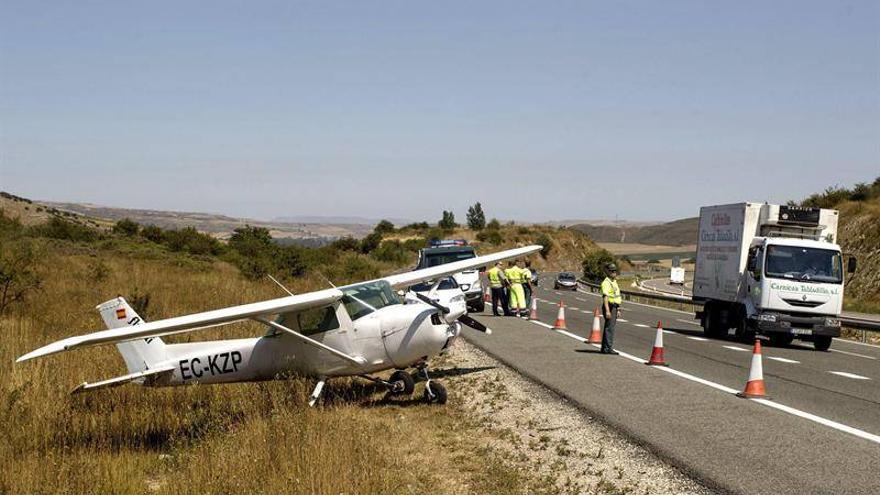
<point>192,322</point>
<point>439,271</point>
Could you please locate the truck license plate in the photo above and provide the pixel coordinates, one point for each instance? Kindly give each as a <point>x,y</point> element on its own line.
<point>802,331</point>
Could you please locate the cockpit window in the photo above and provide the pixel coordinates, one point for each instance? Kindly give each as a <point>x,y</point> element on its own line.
<point>308,321</point>
<point>362,299</point>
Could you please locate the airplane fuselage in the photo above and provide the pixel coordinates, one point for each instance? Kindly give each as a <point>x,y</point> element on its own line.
<point>396,336</point>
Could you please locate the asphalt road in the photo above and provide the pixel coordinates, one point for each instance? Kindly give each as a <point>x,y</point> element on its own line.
<point>820,433</point>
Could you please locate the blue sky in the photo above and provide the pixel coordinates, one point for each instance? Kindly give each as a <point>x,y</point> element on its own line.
<point>540,110</point>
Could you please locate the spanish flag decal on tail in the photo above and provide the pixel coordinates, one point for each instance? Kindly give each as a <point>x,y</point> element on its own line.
<point>120,314</point>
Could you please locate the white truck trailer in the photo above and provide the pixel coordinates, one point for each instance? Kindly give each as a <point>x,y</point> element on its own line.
<point>771,270</point>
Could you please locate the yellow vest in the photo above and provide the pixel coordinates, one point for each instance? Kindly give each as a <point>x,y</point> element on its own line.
<point>512,275</point>
<point>526,275</point>
<point>611,291</point>
<point>494,275</point>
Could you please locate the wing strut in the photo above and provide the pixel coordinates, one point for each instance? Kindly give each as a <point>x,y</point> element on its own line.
<point>354,359</point>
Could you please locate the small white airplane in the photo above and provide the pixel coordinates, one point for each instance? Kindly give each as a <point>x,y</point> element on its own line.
<point>353,330</point>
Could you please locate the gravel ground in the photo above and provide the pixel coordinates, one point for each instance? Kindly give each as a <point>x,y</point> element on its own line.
<point>551,438</point>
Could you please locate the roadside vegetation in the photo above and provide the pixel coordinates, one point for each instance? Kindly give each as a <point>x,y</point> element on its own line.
<point>859,236</point>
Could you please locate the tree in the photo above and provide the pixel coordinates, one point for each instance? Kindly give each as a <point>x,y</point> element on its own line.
<point>476,219</point>
<point>370,242</point>
<point>251,241</point>
<point>384,227</point>
<point>493,224</point>
<point>594,264</point>
<point>19,274</point>
<point>126,227</point>
<point>448,221</point>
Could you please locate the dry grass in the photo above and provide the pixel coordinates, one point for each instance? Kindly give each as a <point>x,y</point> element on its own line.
<point>246,438</point>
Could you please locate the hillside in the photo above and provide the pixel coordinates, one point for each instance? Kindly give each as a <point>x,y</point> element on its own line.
<point>676,233</point>
<point>565,248</point>
<point>859,234</point>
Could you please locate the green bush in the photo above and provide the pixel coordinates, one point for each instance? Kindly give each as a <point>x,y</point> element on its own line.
<point>58,228</point>
<point>370,242</point>
<point>492,236</point>
<point>546,243</point>
<point>153,233</point>
<point>126,227</point>
<point>347,243</point>
<point>391,252</point>
<point>19,271</point>
<point>384,227</point>
<point>594,264</point>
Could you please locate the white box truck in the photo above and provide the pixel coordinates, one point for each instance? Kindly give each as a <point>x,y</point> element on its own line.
<point>771,270</point>
<point>676,272</point>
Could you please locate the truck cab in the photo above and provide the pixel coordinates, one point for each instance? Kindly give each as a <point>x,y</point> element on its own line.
<point>449,251</point>
<point>795,289</point>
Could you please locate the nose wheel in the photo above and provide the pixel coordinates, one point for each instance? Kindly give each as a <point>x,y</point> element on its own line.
<point>435,392</point>
<point>402,383</point>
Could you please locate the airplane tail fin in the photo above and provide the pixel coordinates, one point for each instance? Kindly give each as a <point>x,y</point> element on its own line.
<point>139,355</point>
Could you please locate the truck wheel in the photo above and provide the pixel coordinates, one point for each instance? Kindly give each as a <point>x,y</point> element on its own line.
<point>480,306</point>
<point>711,326</point>
<point>822,342</point>
<point>781,339</point>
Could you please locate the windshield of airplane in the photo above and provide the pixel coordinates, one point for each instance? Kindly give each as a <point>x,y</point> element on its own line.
<point>362,299</point>
<point>804,264</point>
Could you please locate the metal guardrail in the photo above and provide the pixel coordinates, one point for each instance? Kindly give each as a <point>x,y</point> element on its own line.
<point>847,322</point>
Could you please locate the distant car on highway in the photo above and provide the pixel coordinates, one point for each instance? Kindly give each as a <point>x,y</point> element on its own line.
<point>566,280</point>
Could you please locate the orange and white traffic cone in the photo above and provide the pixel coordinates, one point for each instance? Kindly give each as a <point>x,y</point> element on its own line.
<point>533,313</point>
<point>560,317</point>
<point>596,333</point>
<point>755,386</point>
<point>487,296</point>
<point>657,351</point>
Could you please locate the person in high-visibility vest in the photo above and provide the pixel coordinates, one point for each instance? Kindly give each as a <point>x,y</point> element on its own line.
<point>526,272</point>
<point>497,281</point>
<point>610,307</point>
<point>517,296</point>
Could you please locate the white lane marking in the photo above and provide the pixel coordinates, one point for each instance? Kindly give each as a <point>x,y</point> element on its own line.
<point>783,360</point>
<point>853,354</point>
<point>849,375</point>
<point>734,348</point>
<point>641,325</point>
<point>699,339</point>
<point>773,405</point>
<point>581,299</point>
<point>622,320</point>
<point>574,308</point>
<point>669,331</point>
<point>688,321</point>
<point>857,343</point>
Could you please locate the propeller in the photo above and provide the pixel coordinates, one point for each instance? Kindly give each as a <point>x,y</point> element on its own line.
<point>467,320</point>
<point>427,300</point>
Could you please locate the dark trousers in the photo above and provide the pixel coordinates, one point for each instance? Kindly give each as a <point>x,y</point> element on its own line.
<point>528,290</point>
<point>499,295</point>
<point>608,333</point>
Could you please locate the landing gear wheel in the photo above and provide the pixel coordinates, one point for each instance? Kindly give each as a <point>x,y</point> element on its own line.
<point>402,383</point>
<point>821,342</point>
<point>780,339</point>
<point>435,393</point>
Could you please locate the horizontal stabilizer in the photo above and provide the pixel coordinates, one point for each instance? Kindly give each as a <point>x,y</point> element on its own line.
<point>149,377</point>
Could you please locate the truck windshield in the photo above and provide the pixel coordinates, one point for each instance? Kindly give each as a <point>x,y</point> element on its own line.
<point>435,259</point>
<point>804,264</point>
<point>362,299</point>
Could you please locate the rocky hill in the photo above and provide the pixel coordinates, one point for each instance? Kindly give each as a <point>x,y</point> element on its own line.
<point>859,234</point>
